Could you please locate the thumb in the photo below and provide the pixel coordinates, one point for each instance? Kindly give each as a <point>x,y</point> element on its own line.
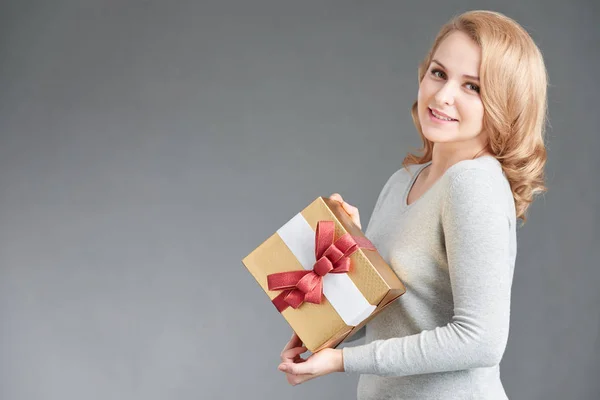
<point>296,368</point>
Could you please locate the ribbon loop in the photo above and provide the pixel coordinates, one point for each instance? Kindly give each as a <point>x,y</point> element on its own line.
<point>323,266</point>
<point>345,243</point>
<point>333,253</point>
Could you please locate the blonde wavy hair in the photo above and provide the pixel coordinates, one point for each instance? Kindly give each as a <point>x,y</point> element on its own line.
<point>513,81</point>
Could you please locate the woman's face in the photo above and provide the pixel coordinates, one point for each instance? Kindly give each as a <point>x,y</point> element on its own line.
<point>450,88</point>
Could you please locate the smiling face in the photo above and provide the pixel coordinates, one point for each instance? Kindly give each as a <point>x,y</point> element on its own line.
<point>449,105</point>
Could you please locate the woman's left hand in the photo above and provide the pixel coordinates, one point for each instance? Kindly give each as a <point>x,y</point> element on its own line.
<point>299,370</point>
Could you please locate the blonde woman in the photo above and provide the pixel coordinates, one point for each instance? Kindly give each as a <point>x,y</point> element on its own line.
<point>446,222</point>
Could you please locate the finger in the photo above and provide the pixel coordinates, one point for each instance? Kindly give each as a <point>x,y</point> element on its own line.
<point>350,209</point>
<point>293,342</point>
<point>290,354</point>
<point>296,369</point>
<point>353,213</point>
<point>336,197</point>
<point>298,379</point>
<point>285,355</point>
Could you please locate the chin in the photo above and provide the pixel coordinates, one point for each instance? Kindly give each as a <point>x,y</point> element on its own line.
<point>438,136</point>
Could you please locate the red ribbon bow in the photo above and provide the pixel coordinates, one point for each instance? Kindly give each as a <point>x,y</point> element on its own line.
<point>332,258</point>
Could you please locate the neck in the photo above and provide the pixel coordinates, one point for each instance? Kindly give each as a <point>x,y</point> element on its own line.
<point>444,156</point>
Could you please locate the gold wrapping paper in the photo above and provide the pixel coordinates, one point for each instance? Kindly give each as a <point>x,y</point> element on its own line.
<point>318,325</point>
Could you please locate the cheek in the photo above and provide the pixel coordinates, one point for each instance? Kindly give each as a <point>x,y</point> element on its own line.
<point>424,89</point>
<point>478,113</point>
<point>472,111</point>
<point>424,95</point>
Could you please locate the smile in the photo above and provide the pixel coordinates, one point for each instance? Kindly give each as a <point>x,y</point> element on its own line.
<point>439,118</point>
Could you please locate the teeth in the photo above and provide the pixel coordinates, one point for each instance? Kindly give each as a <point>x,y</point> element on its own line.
<point>440,117</point>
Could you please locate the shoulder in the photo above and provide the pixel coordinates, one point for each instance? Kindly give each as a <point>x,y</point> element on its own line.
<point>484,171</point>
<point>479,184</point>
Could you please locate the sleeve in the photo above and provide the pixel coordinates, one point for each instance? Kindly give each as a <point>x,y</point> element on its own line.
<point>477,236</point>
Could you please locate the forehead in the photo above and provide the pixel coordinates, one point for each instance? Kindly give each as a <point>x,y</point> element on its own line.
<point>458,51</point>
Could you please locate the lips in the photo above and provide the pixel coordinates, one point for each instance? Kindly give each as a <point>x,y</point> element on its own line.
<point>437,112</point>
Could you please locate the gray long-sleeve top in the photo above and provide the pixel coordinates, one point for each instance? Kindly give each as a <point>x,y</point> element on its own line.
<point>454,248</point>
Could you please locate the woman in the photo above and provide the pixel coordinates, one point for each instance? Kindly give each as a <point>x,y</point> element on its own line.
<point>446,222</point>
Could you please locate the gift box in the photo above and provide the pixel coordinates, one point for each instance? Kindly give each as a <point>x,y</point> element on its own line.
<point>323,275</point>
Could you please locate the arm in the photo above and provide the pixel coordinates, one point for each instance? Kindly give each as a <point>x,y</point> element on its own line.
<point>477,237</point>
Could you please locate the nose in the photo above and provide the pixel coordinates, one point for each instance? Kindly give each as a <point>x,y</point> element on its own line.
<point>446,93</point>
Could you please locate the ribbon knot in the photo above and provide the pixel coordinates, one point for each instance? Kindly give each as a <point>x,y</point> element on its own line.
<point>333,257</point>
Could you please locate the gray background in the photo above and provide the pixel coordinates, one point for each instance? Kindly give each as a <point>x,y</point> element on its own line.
<point>147,147</point>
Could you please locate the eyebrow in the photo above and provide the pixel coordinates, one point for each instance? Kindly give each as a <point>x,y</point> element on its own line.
<point>475,78</point>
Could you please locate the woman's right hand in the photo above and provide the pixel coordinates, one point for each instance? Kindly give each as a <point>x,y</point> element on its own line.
<point>350,209</point>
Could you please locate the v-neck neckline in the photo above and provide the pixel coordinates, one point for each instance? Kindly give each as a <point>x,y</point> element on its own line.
<point>418,171</point>
<point>411,183</point>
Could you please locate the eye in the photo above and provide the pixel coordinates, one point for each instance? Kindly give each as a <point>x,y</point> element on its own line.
<point>438,73</point>
<point>473,87</point>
